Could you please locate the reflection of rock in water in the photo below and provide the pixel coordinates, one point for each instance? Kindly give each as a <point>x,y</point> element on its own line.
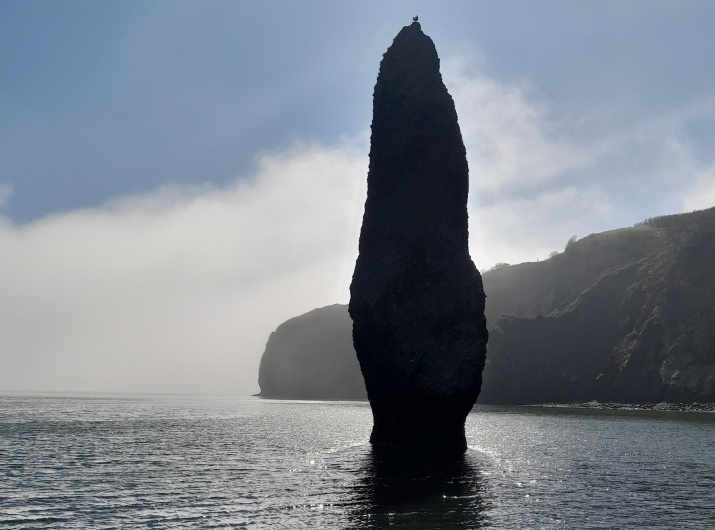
<point>420,493</point>
<point>416,298</point>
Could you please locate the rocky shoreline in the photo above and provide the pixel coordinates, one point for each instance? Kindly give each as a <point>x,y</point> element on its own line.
<point>663,406</point>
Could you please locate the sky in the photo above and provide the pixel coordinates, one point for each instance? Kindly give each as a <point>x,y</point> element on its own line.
<point>177,178</point>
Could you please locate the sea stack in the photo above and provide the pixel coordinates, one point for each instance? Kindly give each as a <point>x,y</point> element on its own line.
<point>416,298</point>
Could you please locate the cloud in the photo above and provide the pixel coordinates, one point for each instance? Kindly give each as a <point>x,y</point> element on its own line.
<point>521,205</point>
<point>693,179</point>
<point>6,191</point>
<point>702,194</point>
<point>177,290</point>
<point>535,182</point>
<point>528,228</point>
<point>509,138</point>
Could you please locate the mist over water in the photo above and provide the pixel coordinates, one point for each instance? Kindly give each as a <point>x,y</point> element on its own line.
<point>210,462</point>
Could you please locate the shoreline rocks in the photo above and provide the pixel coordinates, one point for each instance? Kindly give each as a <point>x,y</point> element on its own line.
<point>663,406</point>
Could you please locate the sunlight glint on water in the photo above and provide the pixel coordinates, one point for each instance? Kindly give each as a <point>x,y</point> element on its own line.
<point>208,462</point>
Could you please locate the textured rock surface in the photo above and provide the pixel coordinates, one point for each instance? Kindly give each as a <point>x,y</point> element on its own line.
<point>622,316</point>
<point>417,302</point>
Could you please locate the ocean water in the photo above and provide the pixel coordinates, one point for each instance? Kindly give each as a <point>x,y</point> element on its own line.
<point>225,462</point>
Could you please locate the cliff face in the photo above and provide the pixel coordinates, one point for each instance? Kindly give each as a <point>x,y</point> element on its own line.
<point>624,316</point>
<point>312,357</point>
<point>417,302</point>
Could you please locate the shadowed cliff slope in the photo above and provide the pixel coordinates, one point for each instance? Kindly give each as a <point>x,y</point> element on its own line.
<point>623,316</point>
<point>312,357</point>
<point>626,316</point>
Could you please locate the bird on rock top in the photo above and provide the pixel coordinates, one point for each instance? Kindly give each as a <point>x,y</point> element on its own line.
<point>414,19</point>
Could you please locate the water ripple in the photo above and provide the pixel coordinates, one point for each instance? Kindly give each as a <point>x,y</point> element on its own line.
<point>197,462</point>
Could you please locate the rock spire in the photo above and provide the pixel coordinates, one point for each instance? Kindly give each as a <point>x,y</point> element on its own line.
<point>417,301</point>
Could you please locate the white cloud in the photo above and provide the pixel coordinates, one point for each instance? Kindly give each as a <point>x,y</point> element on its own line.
<point>702,194</point>
<point>509,138</point>
<point>178,290</point>
<point>693,181</point>
<point>532,186</point>
<point>521,206</point>
<point>526,228</point>
<point>6,191</point>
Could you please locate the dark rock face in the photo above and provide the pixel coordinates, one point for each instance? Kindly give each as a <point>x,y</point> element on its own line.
<point>622,316</point>
<point>312,357</point>
<point>417,301</point>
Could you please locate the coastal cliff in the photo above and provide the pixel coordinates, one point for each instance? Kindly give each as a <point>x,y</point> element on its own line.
<point>621,316</point>
<point>624,316</point>
<point>312,357</point>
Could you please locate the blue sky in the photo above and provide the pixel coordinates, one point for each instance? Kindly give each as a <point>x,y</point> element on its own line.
<point>177,178</point>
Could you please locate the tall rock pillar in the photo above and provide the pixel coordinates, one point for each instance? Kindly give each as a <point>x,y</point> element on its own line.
<point>416,298</point>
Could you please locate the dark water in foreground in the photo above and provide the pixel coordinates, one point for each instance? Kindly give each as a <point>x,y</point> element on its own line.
<point>207,462</point>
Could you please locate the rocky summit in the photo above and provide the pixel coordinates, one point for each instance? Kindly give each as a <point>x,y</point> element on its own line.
<point>417,301</point>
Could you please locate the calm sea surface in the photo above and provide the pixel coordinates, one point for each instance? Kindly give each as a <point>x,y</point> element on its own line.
<point>209,462</point>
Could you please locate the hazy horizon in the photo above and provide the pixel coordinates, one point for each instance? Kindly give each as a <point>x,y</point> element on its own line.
<point>177,179</point>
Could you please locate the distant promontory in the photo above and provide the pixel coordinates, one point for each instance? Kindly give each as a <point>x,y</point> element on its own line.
<point>312,357</point>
